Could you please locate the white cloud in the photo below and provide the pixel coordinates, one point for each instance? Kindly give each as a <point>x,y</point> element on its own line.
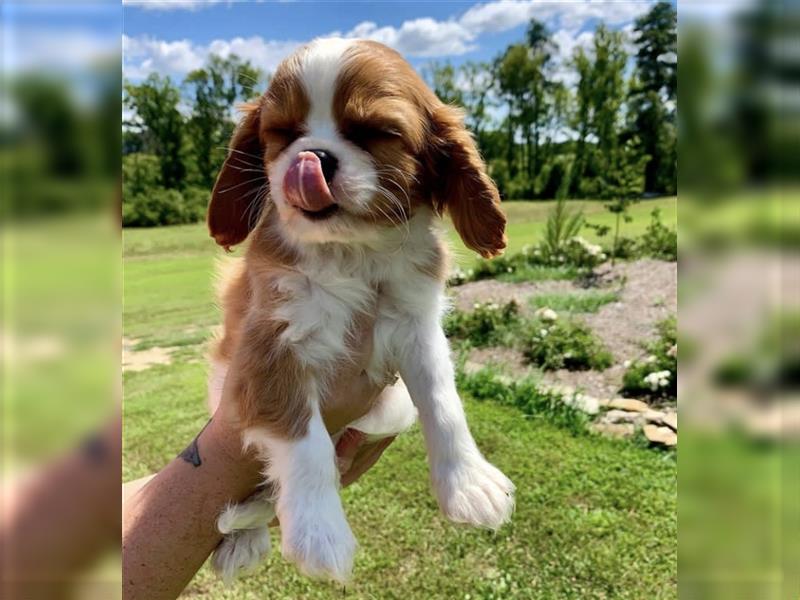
<point>423,37</point>
<point>420,37</point>
<point>144,55</point>
<point>171,4</point>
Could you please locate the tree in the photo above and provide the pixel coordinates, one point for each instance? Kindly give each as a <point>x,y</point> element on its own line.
<point>155,104</point>
<point>216,88</point>
<point>541,48</point>
<point>478,85</point>
<point>653,95</point>
<point>443,81</point>
<point>600,97</point>
<point>514,71</point>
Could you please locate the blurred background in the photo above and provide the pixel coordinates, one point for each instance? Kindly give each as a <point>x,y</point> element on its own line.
<point>739,221</point>
<point>60,174</point>
<point>736,132</point>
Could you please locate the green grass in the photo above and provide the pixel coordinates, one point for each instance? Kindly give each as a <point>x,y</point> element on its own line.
<point>595,518</point>
<point>586,302</point>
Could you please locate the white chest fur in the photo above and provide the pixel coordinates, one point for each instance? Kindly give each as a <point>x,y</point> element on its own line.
<point>333,284</point>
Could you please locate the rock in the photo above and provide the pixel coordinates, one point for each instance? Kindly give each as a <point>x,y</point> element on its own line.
<point>622,416</point>
<point>654,416</point>
<point>617,430</point>
<point>628,404</point>
<point>661,435</point>
<point>671,421</point>
<point>583,403</point>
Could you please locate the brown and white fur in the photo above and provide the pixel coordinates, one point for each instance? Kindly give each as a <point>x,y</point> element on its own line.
<point>404,158</point>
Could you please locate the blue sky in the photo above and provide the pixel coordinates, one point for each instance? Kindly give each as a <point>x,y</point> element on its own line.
<point>173,38</point>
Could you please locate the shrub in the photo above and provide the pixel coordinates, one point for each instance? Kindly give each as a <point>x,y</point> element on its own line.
<point>658,241</point>
<point>488,324</point>
<point>196,200</point>
<point>562,226</point>
<point>159,206</point>
<point>655,376</point>
<point>525,395</point>
<point>554,344</point>
<point>627,248</point>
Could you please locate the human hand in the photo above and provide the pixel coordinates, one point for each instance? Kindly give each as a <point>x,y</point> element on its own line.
<point>351,396</point>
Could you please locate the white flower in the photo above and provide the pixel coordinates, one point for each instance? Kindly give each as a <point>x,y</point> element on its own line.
<point>546,314</point>
<point>602,256</point>
<point>476,305</point>
<point>543,332</point>
<point>626,364</point>
<point>673,351</point>
<point>509,270</point>
<point>663,382</point>
<point>650,359</point>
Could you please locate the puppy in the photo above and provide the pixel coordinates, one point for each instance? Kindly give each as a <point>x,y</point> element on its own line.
<point>338,176</point>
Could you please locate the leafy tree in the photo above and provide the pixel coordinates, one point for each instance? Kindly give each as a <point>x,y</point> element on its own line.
<point>479,83</point>
<point>514,71</point>
<point>216,88</point>
<point>600,97</point>
<point>443,81</point>
<point>155,103</point>
<point>541,49</point>
<point>653,94</point>
<point>51,116</point>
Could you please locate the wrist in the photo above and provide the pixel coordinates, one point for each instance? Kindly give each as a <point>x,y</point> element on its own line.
<point>222,445</point>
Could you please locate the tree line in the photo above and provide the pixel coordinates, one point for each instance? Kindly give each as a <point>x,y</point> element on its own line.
<point>612,135</point>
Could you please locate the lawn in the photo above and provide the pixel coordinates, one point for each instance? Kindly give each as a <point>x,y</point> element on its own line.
<point>595,518</point>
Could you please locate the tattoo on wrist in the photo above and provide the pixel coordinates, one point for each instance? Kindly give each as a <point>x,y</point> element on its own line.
<point>191,453</point>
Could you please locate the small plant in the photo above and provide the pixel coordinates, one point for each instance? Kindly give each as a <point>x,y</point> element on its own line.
<point>555,344</point>
<point>488,324</point>
<point>658,241</point>
<point>563,225</point>
<point>524,394</point>
<point>655,376</point>
<point>586,302</point>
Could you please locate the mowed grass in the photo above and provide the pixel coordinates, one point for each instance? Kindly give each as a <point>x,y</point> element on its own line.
<point>595,518</point>
<point>169,271</point>
<point>589,301</point>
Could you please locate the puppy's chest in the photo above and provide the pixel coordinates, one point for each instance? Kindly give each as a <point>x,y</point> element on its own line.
<point>323,302</point>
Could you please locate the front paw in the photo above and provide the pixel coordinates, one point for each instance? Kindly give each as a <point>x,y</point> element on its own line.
<point>471,490</point>
<point>316,537</point>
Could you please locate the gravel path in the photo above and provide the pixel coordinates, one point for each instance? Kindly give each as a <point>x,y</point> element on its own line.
<point>648,295</point>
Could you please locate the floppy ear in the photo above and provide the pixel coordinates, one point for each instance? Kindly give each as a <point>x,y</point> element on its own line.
<point>462,187</point>
<point>235,202</point>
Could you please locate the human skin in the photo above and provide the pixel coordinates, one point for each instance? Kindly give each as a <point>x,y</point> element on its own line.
<point>169,525</point>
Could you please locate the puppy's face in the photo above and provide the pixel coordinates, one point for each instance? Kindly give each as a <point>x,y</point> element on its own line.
<point>346,142</point>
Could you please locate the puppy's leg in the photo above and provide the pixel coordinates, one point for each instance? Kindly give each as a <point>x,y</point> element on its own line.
<point>468,487</point>
<point>314,531</point>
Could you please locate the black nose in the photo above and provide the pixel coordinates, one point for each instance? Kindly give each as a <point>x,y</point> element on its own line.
<point>329,163</point>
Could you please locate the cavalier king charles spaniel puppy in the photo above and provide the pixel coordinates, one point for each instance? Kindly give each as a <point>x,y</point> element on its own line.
<point>338,175</point>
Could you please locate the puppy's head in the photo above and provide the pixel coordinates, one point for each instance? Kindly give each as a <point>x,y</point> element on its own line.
<point>348,141</point>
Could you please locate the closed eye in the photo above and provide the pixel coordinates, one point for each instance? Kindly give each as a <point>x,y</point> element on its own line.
<point>363,134</point>
<point>288,133</point>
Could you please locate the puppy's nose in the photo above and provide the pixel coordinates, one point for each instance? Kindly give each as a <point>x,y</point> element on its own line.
<point>329,163</point>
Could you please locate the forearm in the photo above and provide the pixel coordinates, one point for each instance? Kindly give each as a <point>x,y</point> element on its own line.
<point>169,525</point>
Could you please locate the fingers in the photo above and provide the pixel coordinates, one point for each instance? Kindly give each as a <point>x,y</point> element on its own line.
<point>347,447</point>
<point>365,457</point>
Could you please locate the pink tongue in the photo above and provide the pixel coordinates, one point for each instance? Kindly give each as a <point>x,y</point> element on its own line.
<point>304,184</point>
